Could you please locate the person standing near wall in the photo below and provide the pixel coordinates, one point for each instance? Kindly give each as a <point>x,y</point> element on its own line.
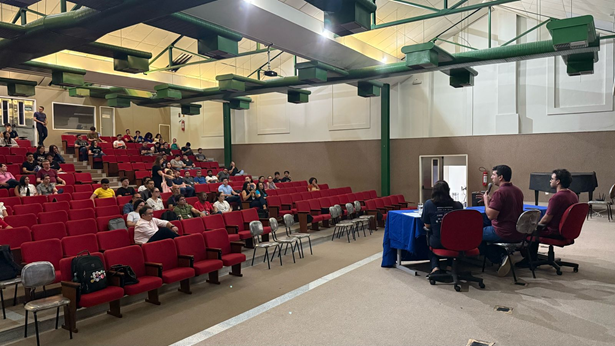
<point>40,118</point>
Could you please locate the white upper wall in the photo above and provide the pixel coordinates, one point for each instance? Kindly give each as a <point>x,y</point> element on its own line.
<point>535,96</point>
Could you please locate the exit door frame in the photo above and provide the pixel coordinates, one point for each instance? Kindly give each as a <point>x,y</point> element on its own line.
<point>441,158</point>
<point>101,121</point>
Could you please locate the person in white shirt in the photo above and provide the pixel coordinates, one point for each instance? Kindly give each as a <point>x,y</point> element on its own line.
<point>25,188</point>
<point>119,143</point>
<point>222,206</point>
<point>210,178</point>
<point>155,202</point>
<point>144,187</point>
<point>133,216</point>
<point>150,229</point>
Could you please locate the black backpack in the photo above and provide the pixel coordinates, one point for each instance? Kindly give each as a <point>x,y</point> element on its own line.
<point>89,272</point>
<point>169,216</point>
<point>129,277</point>
<point>8,268</point>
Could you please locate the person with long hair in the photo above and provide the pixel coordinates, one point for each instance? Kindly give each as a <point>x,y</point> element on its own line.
<point>7,141</point>
<point>260,194</point>
<point>313,185</point>
<point>55,151</point>
<point>157,172</point>
<point>249,194</point>
<point>434,210</point>
<point>158,138</point>
<point>25,188</point>
<point>149,138</point>
<point>40,155</point>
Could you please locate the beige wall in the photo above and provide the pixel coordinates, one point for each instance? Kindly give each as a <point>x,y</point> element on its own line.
<point>357,163</point>
<point>135,117</point>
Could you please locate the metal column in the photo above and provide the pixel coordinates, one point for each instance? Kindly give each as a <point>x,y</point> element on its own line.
<point>228,149</point>
<point>385,139</point>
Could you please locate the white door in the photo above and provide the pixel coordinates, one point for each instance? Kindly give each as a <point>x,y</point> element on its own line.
<point>107,121</point>
<point>165,131</point>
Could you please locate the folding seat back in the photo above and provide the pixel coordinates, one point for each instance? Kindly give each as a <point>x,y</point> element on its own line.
<point>18,151</point>
<point>249,215</point>
<point>14,169</point>
<point>201,188</point>
<point>33,200</point>
<point>286,200</point>
<point>122,200</point>
<point>107,211</point>
<point>5,151</point>
<point>314,205</point>
<point>105,202</point>
<point>234,219</point>
<point>61,197</point>
<point>25,220</point>
<point>315,194</point>
<point>370,205</point>
<point>214,222</point>
<point>379,203</point>
<point>323,186</point>
<point>73,245</point>
<point>27,209</point>
<point>82,204</point>
<point>109,158</point>
<point>83,178</point>
<point>346,189</point>
<point>4,193</point>
<point>83,226</point>
<point>272,192</point>
<point>139,166</point>
<point>163,252</point>
<point>298,189</point>
<point>193,245</point>
<point>218,239</point>
<point>295,184</point>
<point>103,221</point>
<point>295,197</point>
<point>303,206</point>
<point>274,201</point>
<point>388,201</point>
<point>325,193</point>
<point>42,250</point>
<point>56,206</point>
<point>142,174</point>
<point>84,188</point>
<point>15,236</point>
<point>192,226</point>
<point>130,255</point>
<point>192,200</point>
<point>80,214</point>
<point>69,178</point>
<point>81,196</point>
<point>124,166</point>
<point>11,201</point>
<point>123,158</point>
<point>13,159</point>
<point>158,213</point>
<point>353,197</point>
<point>180,227</point>
<point>133,152</point>
<point>53,216</point>
<point>372,194</point>
<point>54,230</point>
<point>113,239</point>
<point>324,202</point>
<point>68,167</point>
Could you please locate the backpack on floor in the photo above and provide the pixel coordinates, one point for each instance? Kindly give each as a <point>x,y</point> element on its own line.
<point>8,268</point>
<point>263,213</point>
<point>89,272</point>
<point>117,223</point>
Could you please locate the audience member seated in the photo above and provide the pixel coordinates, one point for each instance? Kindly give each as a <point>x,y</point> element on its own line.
<point>150,229</point>
<point>52,163</point>
<point>168,180</point>
<point>174,198</point>
<point>165,149</point>
<point>55,151</point>
<point>174,146</point>
<point>276,177</point>
<point>130,206</point>
<point>119,143</point>
<point>7,179</point>
<point>261,194</point>
<point>286,178</point>
<point>270,183</point>
<point>187,150</point>
<point>199,179</point>
<point>188,179</point>
<point>223,174</point>
<point>4,225</point>
<point>3,212</point>
<point>104,191</point>
<point>137,138</point>
<point>133,217</point>
<point>187,162</point>
<point>185,189</point>
<point>228,193</point>
<point>233,170</point>
<point>146,150</point>
<point>202,205</point>
<point>127,138</point>
<point>149,190</point>
<point>177,163</point>
<point>503,209</point>
<point>184,210</point>
<point>125,190</point>
<point>52,173</point>
<point>313,186</point>
<point>8,128</point>
<point>24,188</point>
<point>158,138</point>
<point>558,203</point>
<point>155,202</point>
<point>261,179</point>
<point>434,210</point>
<point>29,166</point>
<point>148,138</point>
<point>199,156</point>
<point>143,184</point>
<point>221,206</point>
<point>95,150</point>
<point>249,194</point>
<point>7,141</point>
<point>93,136</point>
<point>40,155</point>
<point>81,147</point>
<point>46,187</point>
<point>211,178</point>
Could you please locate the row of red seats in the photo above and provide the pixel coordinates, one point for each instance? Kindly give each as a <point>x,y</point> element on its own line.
<point>285,191</point>
<point>21,151</point>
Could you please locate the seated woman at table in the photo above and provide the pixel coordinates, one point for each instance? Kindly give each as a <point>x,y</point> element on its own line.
<point>433,212</point>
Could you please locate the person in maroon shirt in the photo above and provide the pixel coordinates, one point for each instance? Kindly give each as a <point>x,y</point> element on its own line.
<point>558,204</point>
<point>503,209</point>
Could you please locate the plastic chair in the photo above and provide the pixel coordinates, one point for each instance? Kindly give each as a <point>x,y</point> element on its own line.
<point>256,230</point>
<point>289,221</point>
<point>292,241</point>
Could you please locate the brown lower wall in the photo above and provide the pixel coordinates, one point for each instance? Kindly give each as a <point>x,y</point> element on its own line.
<point>357,163</point>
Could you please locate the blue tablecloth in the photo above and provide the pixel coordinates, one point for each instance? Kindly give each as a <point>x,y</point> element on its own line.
<point>404,227</point>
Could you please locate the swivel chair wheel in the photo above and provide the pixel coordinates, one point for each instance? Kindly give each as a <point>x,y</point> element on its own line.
<point>432,282</point>
<point>559,272</point>
<point>481,285</point>
<point>457,288</point>
<point>576,270</point>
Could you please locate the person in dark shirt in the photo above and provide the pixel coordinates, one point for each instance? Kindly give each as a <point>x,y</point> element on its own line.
<point>53,163</point>
<point>138,138</point>
<point>95,150</point>
<point>286,177</point>
<point>30,166</point>
<point>8,128</point>
<point>40,155</point>
<point>40,118</point>
<point>174,198</point>
<point>434,210</point>
<point>81,147</point>
<point>187,162</point>
<point>187,150</point>
<point>125,190</point>
<point>503,209</point>
<point>276,177</point>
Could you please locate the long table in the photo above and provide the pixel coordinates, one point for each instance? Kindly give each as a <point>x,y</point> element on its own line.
<point>404,237</point>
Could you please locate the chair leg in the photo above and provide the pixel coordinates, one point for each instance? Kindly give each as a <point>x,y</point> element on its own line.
<point>292,250</point>
<point>454,275</point>
<point>57,316</point>
<point>253,255</point>
<point>38,342</point>
<point>267,255</point>
<point>310,241</point>
<point>152,297</point>
<point>236,270</point>
<point>484,262</point>
<point>114,309</point>
<point>280,254</point>
<point>285,249</point>
<point>184,286</point>
<point>25,334</point>
<point>213,278</point>
<point>2,299</point>
<point>301,254</point>
<point>15,295</point>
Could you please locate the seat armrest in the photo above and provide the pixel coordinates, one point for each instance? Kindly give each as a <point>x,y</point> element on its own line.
<point>230,229</point>
<point>69,290</point>
<point>264,221</point>
<point>287,206</point>
<point>236,246</point>
<point>115,278</point>
<point>246,225</point>
<point>211,252</point>
<point>185,260</point>
<point>153,269</point>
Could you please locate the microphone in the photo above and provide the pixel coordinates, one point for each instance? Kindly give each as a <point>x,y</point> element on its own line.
<point>489,188</point>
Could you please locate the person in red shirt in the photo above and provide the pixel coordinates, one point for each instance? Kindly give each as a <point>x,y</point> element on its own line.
<point>503,210</point>
<point>202,205</point>
<point>127,137</point>
<point>558,204</point>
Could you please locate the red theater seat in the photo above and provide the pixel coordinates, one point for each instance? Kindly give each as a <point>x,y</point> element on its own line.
<point>113,239</point>
<point>107,211</point>
<point>149,281</point>
<point>105,202</point>
<point>216,221</point>
<point>228,252</point>
<point>52,216</point>
<point>80,214</point>
<point>172,267</point>
<point>27,209</point>
<point>84,188</point>
<point>34,200</point>
<point>56,206</point>
<point>14,237</point>
<point>203,262</point>
<point>82,196</point>
<point>192,226</point>
<point>49,250</point>
<point>25,220</point>
<point>103,221</point>
<point>54,230</point>
<point>235,219</point>
<point>73,245</point>
<point>79,227</point>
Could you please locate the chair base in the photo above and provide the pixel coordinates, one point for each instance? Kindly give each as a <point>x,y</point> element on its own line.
<point>455,276</point>
<point>554,262</point>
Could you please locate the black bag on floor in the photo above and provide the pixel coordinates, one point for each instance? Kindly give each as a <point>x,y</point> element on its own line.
<point>8,268</point>
<point>169,216</point>
<point>89,272</point>
<point>263,213</point>
<point>130,278</point>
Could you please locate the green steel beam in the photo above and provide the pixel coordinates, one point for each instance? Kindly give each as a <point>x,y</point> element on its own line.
<point>76,7</point>
<point>489,32</point>
<point>445,3</point>
<point>607,37</point>
<point>454,43</point>
<point>62,6</point>
<point>24,18</point>
<point>228,143</point>
<point>526,32</point>
<point>258,51</point>
<point>385,140</point>
<point>418,5</point>
<point>164,50</point>
<point>35,12</point>
<point>458,4</point>
<point>16,18</point>
<point>441,13</point>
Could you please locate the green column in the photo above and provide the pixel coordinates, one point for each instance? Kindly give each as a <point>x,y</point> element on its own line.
<point>228,149</point>
<point>385,139</point>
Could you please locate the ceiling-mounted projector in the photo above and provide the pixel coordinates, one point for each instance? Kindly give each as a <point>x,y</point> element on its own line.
<point>269,72</point>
